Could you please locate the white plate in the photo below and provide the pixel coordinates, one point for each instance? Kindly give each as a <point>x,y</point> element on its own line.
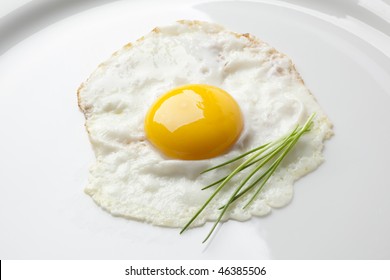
<point>342,50</point>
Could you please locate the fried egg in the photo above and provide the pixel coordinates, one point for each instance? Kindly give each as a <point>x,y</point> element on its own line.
<point>182,99</point>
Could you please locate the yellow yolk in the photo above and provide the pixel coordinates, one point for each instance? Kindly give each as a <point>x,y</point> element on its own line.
<point>194,122</point>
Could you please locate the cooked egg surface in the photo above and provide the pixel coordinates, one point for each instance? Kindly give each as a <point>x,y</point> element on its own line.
<point>137,94</point>
<point>194,122</point>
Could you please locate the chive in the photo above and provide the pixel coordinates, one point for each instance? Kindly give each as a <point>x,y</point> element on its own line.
<point>271,153</point>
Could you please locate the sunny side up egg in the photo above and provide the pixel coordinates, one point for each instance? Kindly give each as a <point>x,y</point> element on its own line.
<point>182,99</point>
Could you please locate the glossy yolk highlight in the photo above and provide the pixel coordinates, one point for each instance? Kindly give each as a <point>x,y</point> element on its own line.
<point>194,122</point>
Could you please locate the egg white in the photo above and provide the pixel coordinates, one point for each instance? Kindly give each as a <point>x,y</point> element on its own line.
<point>132,179</point>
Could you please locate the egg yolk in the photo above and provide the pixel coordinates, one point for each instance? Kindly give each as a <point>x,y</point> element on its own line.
<point>194,122</point>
